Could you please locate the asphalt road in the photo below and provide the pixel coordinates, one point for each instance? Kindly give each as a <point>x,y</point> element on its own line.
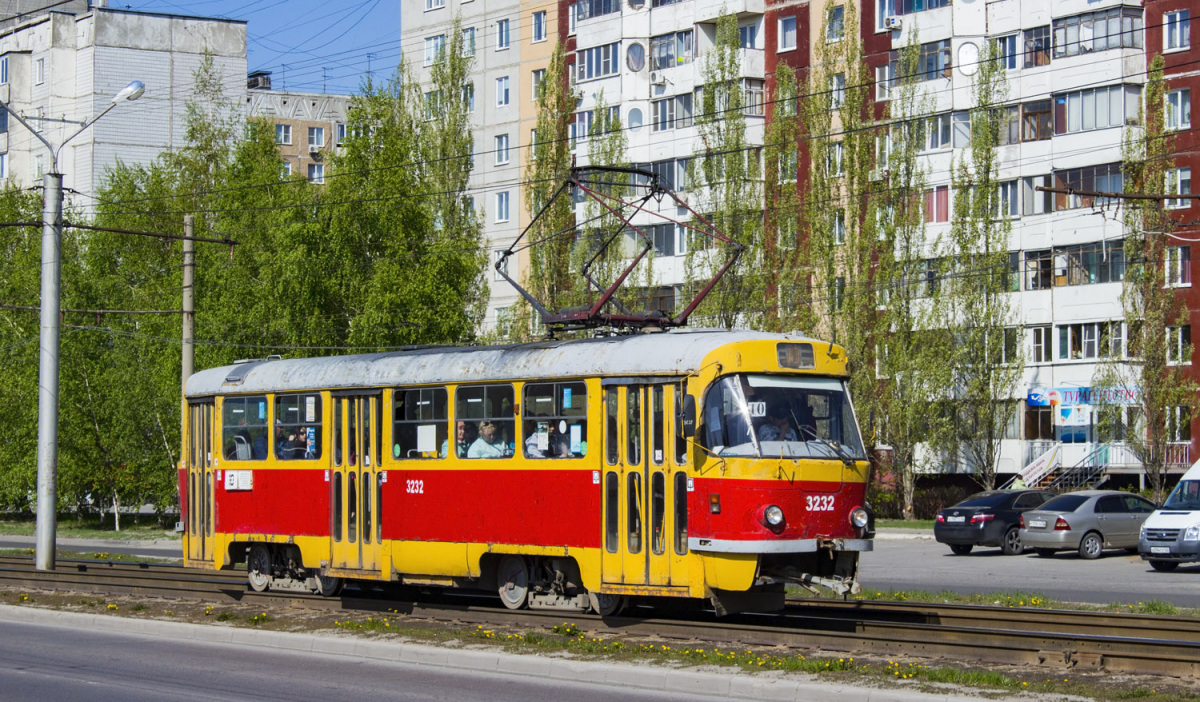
<point>924,564</point>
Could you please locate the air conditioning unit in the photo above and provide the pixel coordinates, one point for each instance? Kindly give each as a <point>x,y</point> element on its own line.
<point>892,23</point>
<point>314,149</point>
<point>657,78</point>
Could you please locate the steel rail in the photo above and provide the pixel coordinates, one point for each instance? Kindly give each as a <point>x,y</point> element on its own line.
<point>1061,639</point>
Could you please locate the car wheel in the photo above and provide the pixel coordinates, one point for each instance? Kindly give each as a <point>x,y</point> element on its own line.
<point>1011,545</point>
<point>961,549</point>
<point>1090,546</point>
<point>1164,566</point>
<point>1044,552</point>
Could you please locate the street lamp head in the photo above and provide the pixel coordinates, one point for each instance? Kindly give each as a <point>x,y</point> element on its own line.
<point>133,91</point>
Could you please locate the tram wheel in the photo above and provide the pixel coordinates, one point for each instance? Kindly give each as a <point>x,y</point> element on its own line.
<point>606,605</point>
<point>258,568</point>
<point>513,579</point>
<point>328,585</point>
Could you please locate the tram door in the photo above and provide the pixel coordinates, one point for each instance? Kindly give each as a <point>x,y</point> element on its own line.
<point>357,429</point>
<point>636,486</point>
<point>200,489</point>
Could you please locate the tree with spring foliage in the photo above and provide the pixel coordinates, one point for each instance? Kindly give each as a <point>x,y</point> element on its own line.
<point>1152,397</point>
<point>726,176</point>
<point>986,358</point>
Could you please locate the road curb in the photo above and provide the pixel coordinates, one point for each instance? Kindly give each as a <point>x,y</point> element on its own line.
<point>733,683</point>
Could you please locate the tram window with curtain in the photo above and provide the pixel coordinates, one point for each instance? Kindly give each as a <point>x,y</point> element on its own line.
<point>419,426</point>
<point>555,424</point>
<point>244,428</point>
<point>298,427</point>
<point>488,413</point>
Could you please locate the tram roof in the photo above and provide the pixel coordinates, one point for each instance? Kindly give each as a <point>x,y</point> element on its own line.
<point>668,353</point>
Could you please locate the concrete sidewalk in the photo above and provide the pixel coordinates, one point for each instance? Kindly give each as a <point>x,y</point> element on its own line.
<point>152,548</point>
<point>895,534</point>
<point>731,683</point>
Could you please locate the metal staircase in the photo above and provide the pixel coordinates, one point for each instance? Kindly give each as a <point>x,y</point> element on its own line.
<point>1087,473</point>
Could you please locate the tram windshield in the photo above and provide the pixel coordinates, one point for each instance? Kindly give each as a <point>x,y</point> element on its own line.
<point>790,417</point>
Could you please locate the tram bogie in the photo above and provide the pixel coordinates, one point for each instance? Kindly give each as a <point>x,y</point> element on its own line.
<point>697,466</point>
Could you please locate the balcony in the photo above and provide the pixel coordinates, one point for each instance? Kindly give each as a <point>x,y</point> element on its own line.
<point>710,10</point>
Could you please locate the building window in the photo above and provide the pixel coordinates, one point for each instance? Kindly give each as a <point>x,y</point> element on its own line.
<point>1179,109</point>
<point>39,71</point>
<point>503,35</point>
<point>937,204</point>
<point>838,293</point>
<point>341,133</point>
<point>1034,201</point>
<point>671,113</point>
<point>502,207</point>
<point>4,166</point>
<point>468,36</point>
<point>283,134</point>
<point>434,4</point>
<point>502,91</point>
<point>316,137</point>
<point>1179,341</point>
<point>1096,108</point>
<point>1078,341</point>
<point>468,97</point>
<point>937,133</point>
<point>1006,52</point>
<point>499,264</point>
<point>1042,344</point>
<point>1037,46</point>
<point>1177,30</point>
<point>753,92</point>
<point>671,173</point>
<point>572,18</point>
<point>748,36</point>
<point>285,169</point>
<point>839,227</point>
<point>884,78</point>
<point>316,173</point>
<point>1104,178</point>
<point>787,33</point>
<point>835,23</point>
<point>598,61</point>
<point>908,7</point>
<point>1098,31</point>
<point>1179,424</point>
<point>538,76</point>
<point>539,26</point>
<point>1006,200</point>
<point>501,149</point>
<point>1037,120</point>
<point>836,160</point>
<point>669,50</point>
<point>4,71</point>
<point>1179,182</point>
<point>1179,266</point>
<point>596,8</point>
<point>935,60</point>
<point>433,48</point>
<point>837,90</point>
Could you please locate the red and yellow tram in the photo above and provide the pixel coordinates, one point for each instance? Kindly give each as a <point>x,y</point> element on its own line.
<point>560,474</point>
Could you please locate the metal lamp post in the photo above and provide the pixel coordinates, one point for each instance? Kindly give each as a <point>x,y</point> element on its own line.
<point>47,454</point>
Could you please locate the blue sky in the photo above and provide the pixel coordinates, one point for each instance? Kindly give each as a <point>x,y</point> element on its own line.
<point>308,45</point>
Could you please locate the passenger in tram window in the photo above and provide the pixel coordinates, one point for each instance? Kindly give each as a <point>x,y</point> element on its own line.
<point>282,442</point>
<point>490,443</point>
<point>778,426</point>
<point>464,435</point>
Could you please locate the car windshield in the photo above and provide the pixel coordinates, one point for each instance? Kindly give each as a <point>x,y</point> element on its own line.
<point>1064,503</point>
<point>788,417</point>
<point>1186,495</point>
<point>983,499</point>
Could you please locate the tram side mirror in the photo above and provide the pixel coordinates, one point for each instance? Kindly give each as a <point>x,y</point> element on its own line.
<point>688,416</point>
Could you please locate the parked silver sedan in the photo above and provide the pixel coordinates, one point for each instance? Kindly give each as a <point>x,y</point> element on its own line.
<point>1087,521</point>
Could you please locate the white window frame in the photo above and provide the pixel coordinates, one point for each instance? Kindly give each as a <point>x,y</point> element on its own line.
<point>1179,182</point>
<point>3,70</point>
<point>536,77</point>
<point>316,136</point>
<point>1176,31</point>
<point>837,90</point>
<point>340,133</point>
<point>1176,343</point>
<point>1007,52</point>
<point>830,36</point>
<point>502,154</point>
<point>435,46</point>
<point>434,4</point>
<point>283,134</point>
<point>468,36</point>
<point>1178,109</point>
<point>838,227</point>
<point>316,173</point>
<point>1041,341</point>
<point>285,168</point>
<point>539,26</point>
<point>497,257</point>
<point>783,23</point>
<point>503,35</point>
<point>39,71</point>
<point>1008,199</point>
<point>502,207</point>
<point>1178,273</point>
<point>502,92</point>
<point>883,82</point>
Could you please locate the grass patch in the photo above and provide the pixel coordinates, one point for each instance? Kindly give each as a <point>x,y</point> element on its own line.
<point>904,524</point>
<point>90,527</point>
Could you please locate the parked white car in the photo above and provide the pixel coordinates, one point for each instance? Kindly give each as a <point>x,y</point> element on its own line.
<point>1171,535</point>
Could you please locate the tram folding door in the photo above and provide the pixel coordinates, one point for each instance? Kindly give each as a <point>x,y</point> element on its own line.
<point>636,486</point>
<point>200,487</point>
<point>354,485</point>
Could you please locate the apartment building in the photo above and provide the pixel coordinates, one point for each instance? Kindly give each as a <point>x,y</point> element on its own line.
<point>1075,73</point>
<point>309,127</point>
<point>59,68</point>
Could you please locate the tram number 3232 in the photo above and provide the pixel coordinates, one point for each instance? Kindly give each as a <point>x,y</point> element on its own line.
<point>417,487</point>
<point>819,503</point>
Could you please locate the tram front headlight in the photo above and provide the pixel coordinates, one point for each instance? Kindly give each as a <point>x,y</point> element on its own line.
<point>773,516</point>
<point>859,517</point>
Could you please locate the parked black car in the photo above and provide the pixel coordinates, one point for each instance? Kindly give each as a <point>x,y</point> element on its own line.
<point>987,519</point>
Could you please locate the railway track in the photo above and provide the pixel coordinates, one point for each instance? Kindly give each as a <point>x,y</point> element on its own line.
<point>1130,643</point>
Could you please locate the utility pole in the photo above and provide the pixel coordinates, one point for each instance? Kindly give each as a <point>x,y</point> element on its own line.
<point>189,300</point>
<point>47,453</point>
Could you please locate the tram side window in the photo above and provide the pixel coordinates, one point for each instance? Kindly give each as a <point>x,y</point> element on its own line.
<point>612,448</point>
<point>680,438</point>
<point>244,428</point>
<point>681,495</point>
<point>419,425</point>
<point>555,420</point>
<point>487,410</point>
<point>298,427</point>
